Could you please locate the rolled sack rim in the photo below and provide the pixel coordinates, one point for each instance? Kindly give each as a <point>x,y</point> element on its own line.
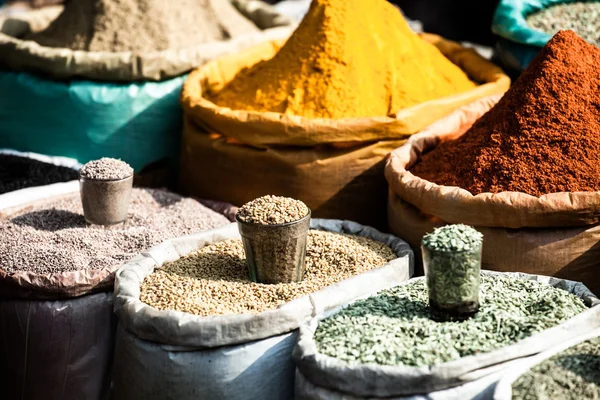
<point>273,128</point>
<point>401,380</point>
<point>184,329</point>
<point>28,56</point>
<point>456,205</point>
<point>510,21</point>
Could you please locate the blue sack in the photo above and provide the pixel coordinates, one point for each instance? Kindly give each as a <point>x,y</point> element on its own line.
<point>519,43</point>
<point>137,122</point>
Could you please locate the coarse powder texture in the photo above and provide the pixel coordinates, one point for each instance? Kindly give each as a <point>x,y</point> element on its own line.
<point>395,326</point>
<point>350,58</point>
<point>23,172</point>
<point>142,25</point>
<point>55,238</point>
<point>106,169</point>
<point>270,210</point>
<point>214,280</point>
<point>573,374</point>
<point>580,17</point>
<point>542,137</point>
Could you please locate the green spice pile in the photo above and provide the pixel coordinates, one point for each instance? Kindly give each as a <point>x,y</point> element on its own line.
<point>452,238</point>
<point>573,374</point>
<point>271,210</point>
<point>581,17</point>
<point>394,327</point>
<point>214,280</point>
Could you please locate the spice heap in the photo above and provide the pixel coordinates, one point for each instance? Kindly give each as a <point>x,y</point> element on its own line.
<point>452,261</point>
<point>271,210</point>
<point>214,280</point>
<point>581,17</point>
<point>23,172</point>
<point>142,25</point>
<point>55,238</point>
<point>350,58</point>
<point>542,137</point>
<point>394,327</point>
<point>573,374</point>
<point>106,169</point>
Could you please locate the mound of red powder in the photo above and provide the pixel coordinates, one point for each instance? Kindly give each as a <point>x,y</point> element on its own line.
<point>542,137</point>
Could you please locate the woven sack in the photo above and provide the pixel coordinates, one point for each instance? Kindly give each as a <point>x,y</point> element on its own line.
<point>503,390</point>
<point>57,331</point>
<point>334,166</point>
<point>169,354</point>
<point>24,55</point>
<point>556,234</point>
<point>326,377</point>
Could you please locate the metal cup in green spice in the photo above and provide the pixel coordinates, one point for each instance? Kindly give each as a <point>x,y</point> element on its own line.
<point>452,262</point>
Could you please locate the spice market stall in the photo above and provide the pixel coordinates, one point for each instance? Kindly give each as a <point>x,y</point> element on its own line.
<point>314,118</point>
<point>525,26</point>
<point>194,318</point>
<point>524,174</point>
<point>84,87</point>
<point>57,326</point>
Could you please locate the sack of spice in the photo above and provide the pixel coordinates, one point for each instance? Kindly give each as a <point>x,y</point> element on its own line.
<point>161,42</point>
<point>525,26</point>
<point>125,117</point>
<point>57,274</point>
<point>570,370</point>
<point>191,321</point>
<point>315,117</point>
<point>526,174</point>
<point>388,345</point>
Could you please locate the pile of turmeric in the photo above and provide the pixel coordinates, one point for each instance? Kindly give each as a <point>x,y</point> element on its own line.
<point>347,58</point>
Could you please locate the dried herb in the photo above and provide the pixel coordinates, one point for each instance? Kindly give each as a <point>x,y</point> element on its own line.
<point>571,374</point>
<point>395,326</point>
<point>452,260</point>
<point>581,17</point>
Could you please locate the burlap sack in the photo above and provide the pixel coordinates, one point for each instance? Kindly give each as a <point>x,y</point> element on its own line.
<point>23,55</point>
<point>373,381</point>
<point>334,166</point>
<point>556,234</point>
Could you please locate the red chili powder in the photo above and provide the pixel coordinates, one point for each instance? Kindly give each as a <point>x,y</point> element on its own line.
<point>542,137</point>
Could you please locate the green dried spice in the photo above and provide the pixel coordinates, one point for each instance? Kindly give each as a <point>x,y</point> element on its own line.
<point>453,238</point>
<point>452,260</point>
<point>572,374</point>
<point>395,327</point>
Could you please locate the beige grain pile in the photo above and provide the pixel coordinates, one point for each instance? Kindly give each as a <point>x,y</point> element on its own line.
<point>142,25</point>
<point>214,280</point>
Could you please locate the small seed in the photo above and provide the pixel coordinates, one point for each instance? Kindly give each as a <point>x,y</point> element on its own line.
<point>214,280</point>
<point>105,169</point>
<point>270,210</point>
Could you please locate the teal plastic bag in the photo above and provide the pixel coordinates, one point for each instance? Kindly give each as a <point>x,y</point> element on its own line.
<point>519,42</point>
<point>138,122</point>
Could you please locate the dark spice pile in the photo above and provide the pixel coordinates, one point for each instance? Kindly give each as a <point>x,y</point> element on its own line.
<point>22,172</point>
<point>542,137</point>
<point>573,374</point>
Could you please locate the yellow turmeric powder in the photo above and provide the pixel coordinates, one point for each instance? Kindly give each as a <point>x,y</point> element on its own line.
<point>347,58</point>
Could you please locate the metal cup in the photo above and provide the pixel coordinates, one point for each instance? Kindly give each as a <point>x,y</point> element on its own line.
<point>275,253</point>
<point>105,202</point>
